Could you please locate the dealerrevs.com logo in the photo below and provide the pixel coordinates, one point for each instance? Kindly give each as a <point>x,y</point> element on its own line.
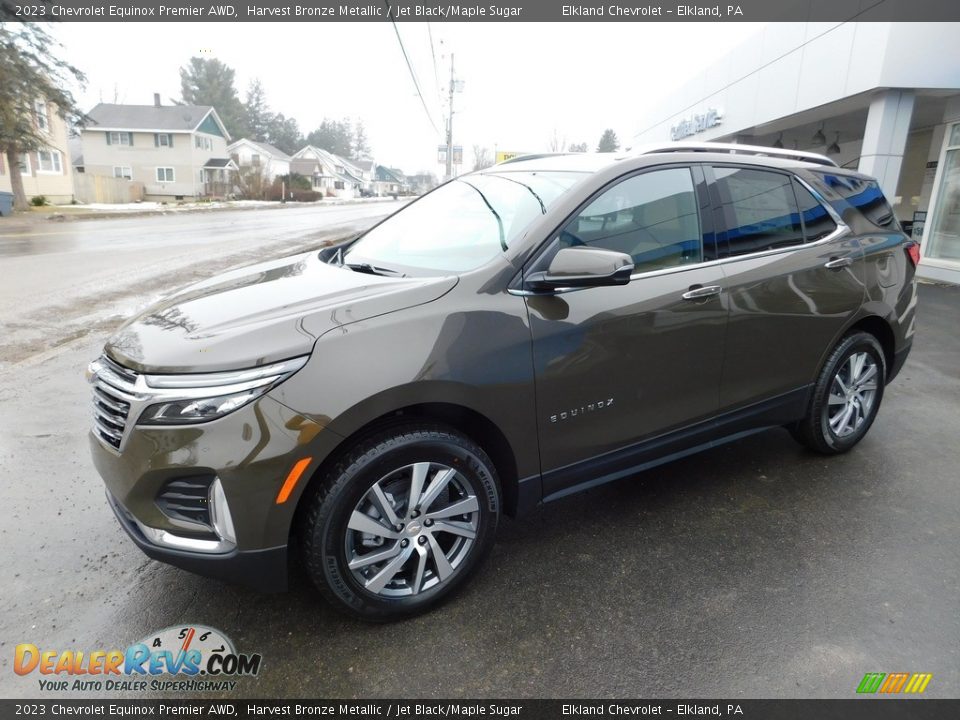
<point>179,659</point>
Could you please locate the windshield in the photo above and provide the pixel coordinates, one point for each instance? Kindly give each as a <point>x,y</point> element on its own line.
<point>460,225</point>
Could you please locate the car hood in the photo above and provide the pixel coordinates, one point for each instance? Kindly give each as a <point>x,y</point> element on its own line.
<point>260,314</point>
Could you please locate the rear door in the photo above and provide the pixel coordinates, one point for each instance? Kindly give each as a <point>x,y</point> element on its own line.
<point>794,274</point>
<point>615,365</point>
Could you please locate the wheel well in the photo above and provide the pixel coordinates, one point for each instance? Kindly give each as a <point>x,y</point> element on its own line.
<point>477,427</point>
<point>880,329</point>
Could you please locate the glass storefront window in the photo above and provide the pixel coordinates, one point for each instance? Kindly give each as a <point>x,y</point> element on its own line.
<point>944,236</point>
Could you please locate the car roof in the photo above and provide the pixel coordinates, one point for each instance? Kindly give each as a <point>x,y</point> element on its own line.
<point>595,162</point>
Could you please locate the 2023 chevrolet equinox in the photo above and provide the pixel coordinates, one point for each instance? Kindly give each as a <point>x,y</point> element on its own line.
<point>514,336</point>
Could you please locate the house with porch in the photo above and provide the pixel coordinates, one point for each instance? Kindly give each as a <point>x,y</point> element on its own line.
<point>329,174</point>
<point>178,152</point>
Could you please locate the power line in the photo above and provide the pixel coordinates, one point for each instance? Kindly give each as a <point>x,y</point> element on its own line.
<point>413,75</point>
<point>433,54</point>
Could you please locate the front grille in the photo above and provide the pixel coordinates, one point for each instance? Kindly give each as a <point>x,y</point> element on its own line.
<point>187,498</point>
<point>113,390</point>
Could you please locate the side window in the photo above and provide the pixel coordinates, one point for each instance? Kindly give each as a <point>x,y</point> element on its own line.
<point>759,210</point>
<point>652,217</point>
<point>863,194</point>
<point>817,223</point>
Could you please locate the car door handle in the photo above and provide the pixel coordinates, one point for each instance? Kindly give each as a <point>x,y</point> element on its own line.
<point>836,263</point>
<point>700,292</point>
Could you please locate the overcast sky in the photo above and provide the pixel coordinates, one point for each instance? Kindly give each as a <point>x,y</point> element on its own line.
<point>523,81</point>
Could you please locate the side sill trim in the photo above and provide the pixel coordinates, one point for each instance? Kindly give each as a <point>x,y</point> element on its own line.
<point>730,426</point>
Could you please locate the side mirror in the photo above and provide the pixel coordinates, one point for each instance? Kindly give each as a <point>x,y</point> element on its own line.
<point>579,267</point>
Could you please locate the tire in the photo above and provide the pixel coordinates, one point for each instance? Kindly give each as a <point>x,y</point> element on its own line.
<point>826,429</point>
<point>377,556</point>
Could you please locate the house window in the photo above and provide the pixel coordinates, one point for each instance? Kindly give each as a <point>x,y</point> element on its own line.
<point>338,185</point>
<point>43,120</point>
<point>24,163</point>
<point>122,171</point>
<point>255,159</point>
<point>120,138</point>
<point>164,140</point>
<point>49,161</point>
<point>164,174</point>
<point>203,143</point>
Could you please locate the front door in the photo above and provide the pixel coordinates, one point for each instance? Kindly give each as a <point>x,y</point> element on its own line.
<point>617,365</point>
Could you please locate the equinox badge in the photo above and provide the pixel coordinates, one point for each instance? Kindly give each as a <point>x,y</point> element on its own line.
<point>582,410</point>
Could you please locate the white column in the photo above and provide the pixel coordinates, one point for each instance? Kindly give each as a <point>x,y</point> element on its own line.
<point>885,138</point>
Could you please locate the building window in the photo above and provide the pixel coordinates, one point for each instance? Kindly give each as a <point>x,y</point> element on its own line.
<point>943,235</point>
<point>255,160</point>
<point>49,162</point>
<point>338,185</point>
<point>43,120</point>
<point>24,163</point>
<point>120,138</point>
<point>122,171</point>
<point>164,140</point>
<point>203,143</point>
<point>164,174</point>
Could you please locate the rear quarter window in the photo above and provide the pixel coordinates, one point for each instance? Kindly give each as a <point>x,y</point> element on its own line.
<point>862,195</point>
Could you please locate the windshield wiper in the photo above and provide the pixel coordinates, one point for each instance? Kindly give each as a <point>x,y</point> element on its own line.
<point>503,240</point>
<point>362,267</point>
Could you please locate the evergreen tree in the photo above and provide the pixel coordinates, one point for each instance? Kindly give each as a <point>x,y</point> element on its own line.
<point>258,120</point>
<point>207,81</point>
<point>334,136</point>
<point>361,147</point>
<point>608,141</point>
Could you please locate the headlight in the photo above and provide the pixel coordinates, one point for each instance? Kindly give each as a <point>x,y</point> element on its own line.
<point>190,399</point>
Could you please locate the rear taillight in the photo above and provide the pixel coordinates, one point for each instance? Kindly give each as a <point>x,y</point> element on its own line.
<point>913,252</point>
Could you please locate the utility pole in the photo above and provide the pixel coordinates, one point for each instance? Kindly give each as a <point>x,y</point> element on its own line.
<point>450,125</point>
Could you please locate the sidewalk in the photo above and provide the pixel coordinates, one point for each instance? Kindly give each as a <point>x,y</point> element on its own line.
<point>102,211</point>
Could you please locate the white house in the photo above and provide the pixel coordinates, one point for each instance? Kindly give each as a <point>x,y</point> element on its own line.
<point>249,154</point>
<point>330,174</point>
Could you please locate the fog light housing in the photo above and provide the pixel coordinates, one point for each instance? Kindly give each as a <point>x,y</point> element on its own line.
<point>220,516</point>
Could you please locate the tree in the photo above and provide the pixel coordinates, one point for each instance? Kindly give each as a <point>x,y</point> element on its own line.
<point>31,71</point>
<point>557,144</point>
<point>258,120</point>
<point>578,147</point>
<point>284,134</point>
<point>334,136</point>
<point>361,147</point>
<point>608,141</point>
<point>207,81</point>
<point>481,158</point>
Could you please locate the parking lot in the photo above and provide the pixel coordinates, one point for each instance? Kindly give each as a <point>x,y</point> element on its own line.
<point>757,569</point>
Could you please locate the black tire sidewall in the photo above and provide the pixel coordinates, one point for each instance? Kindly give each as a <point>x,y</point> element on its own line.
<point>858,342</point>
<point>390,453</point>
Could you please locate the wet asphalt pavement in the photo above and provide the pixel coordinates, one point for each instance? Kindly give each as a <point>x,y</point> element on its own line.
<point>753,570</point>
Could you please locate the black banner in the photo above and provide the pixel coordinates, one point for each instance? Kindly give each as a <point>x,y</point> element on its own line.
<point>478,11</point>
<point>853,709</point>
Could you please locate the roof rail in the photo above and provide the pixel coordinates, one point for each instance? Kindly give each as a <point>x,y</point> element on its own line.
<point>736,149</point>
<point>532,156</point>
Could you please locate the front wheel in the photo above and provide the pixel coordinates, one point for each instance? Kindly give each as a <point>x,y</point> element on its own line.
<point>401,522</point>
<point>846,397</point>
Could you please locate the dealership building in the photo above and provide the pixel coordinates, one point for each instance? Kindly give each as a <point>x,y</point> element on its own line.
<point>880,97</point>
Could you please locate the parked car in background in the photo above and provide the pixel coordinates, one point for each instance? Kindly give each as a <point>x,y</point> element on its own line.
<point>514,336</point>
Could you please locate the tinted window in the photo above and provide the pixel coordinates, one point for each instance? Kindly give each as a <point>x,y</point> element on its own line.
<point>759,210</point>
<point>817,222</point>
<point>651,217</point>
<point>863,194</point>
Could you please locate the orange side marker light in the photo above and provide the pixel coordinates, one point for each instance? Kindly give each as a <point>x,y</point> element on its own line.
<point>291,482</point>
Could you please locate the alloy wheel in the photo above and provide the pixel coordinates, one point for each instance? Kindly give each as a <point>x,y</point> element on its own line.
<point>412,529</point>
<point>852,394</point>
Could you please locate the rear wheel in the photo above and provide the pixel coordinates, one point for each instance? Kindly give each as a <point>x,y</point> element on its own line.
<point>846,397</point>
<point>401,522</point>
